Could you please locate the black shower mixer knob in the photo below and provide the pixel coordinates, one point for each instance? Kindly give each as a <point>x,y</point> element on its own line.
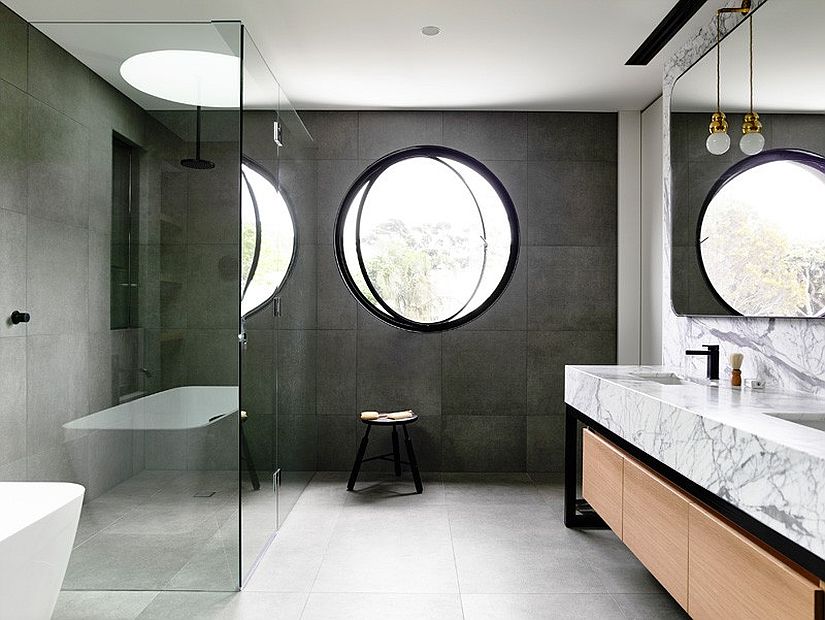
<point>20,317</point>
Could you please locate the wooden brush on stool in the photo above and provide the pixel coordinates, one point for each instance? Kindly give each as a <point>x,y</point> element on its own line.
<point>736,369</point>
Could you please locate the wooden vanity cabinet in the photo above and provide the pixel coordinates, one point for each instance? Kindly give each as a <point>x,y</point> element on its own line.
<point>602,477</point>
<point>732,577</point>
<point>655,527</point>
<point>711,568</point>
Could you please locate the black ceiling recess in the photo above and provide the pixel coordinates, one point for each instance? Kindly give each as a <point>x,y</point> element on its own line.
<point>673,22</point>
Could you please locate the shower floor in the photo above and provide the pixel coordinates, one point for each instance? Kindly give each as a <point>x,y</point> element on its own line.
<point>175,530</point>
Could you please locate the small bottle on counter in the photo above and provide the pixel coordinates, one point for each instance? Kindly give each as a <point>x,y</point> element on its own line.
<point>736,369</point>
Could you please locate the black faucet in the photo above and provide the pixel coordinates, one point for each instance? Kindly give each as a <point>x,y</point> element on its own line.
<point>713,359</point>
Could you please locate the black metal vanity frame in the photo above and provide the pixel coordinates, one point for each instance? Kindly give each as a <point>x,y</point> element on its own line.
<point>578,514</point>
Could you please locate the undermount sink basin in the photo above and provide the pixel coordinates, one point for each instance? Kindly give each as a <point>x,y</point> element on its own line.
<point>664,378</point>
<point>811,419</point>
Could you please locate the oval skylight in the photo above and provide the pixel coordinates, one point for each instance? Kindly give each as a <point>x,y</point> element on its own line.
<point>191,77</point>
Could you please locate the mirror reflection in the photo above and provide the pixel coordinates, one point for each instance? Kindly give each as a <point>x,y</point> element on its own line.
<point>746,234</point>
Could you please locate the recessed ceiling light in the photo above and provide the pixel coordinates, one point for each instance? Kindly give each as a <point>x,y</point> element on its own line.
<point>191,77</point>
<point>430,31</point>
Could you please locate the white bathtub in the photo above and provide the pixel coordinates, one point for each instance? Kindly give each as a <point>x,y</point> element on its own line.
<point>181,408</point>
<point>38,522</point>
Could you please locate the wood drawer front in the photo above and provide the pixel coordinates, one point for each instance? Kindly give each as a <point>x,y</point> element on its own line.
<point>655,528</point>
<point>730,577</point>
<point>602,477</point>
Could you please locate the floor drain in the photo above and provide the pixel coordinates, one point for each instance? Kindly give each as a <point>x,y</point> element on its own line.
<point>205,493</point>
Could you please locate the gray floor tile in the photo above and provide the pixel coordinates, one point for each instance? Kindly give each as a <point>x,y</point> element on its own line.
<point>539,606</point>
<point>647,606</point>
<point>101,605</point>
<point>372,606</point>
<point>130,561</point>
<point>414,540</point>
<point>489,489</point>
<point>224,606</point>
<point>616,567</point>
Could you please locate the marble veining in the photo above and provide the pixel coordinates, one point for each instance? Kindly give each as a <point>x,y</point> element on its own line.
<point>721,439</point>
<point>789,354</point>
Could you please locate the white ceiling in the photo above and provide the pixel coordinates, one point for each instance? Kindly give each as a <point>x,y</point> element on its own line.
<point>491,54</point>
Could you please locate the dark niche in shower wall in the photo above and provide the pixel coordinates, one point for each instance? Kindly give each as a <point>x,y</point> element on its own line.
<point>125,258</point>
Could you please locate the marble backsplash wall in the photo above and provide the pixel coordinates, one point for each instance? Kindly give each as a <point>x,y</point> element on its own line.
<point>787,354</point>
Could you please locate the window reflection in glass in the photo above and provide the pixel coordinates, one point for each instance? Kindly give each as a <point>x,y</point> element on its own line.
<point>267,238</point>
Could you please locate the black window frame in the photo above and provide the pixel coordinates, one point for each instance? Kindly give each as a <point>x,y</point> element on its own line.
<point>365,180</point>
<point>260,169</point>
<point>808,158</point>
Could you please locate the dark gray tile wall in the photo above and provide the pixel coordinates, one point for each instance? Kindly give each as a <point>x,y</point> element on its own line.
<point>490,394</point>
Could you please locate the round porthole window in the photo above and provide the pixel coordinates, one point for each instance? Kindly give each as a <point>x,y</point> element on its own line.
<point>268,242</point>
<point>761,235</point>
<point>427,238</point>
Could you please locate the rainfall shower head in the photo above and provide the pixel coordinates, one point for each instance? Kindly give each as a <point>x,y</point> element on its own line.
<point>197,163</point>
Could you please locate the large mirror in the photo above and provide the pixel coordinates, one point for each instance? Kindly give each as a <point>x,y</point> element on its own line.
<point>749,229</point>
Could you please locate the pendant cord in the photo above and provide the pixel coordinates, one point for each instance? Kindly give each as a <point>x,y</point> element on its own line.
<point>750,48</point>
<point>718,63</point>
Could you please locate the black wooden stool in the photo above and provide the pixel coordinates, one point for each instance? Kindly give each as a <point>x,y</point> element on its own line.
<point>394,456</point>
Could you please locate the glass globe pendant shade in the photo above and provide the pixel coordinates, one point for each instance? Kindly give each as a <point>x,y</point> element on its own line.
<point>718,143</point>
<point>752,143</point>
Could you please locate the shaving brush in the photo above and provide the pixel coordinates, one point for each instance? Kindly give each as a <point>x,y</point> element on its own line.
<point>736,366</point>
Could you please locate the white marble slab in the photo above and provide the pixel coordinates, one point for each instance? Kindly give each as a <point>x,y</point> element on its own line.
<point>721,439</point>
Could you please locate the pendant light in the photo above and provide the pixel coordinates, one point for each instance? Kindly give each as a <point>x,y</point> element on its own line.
<point>752,141</point>
<point>718,141</point>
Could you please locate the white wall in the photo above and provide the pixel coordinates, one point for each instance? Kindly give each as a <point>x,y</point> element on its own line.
<point>652,219</point>
<point>628,337</point>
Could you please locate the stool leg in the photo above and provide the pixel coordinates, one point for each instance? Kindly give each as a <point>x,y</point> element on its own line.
<point>419,488</point>
<point>250,465</point>
<point>356,467</point>
<point>396,453</point>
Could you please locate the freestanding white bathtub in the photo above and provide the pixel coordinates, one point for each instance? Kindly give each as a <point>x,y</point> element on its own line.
<point>38,522</point>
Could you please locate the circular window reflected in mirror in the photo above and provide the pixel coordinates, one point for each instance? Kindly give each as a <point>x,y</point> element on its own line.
<point>268,241</point>
<point>426,238</point>
<point>761,235</point>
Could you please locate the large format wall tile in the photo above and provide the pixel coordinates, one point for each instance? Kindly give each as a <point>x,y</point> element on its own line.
<point>58,172</point>
<point>337,372</point>
<point>13,140</point>
<point>335,133</point>
<point>487,135</point>
<point>57,78</point>
<point>571,288</point>
<point>484,373</point>
<point>337,308</point>
<point>57,384</point>
<point>13,271</point>
<point>12,399</point>
<point>484,443</point>
<point>381,133</point>
<point>14,59</point>
<point>334,179</point>
<point>296,360</point>
<point>547,354</point>
<point>57,277</point>
<point>572,203</point>
<point>576,136</point>
<point>399,370</point>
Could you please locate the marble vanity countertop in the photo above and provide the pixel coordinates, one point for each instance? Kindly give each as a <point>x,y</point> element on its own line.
<point>720,438</point>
